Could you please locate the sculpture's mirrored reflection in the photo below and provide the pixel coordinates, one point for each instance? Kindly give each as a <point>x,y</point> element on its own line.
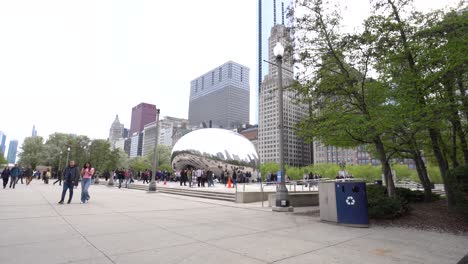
<point>214,149</point>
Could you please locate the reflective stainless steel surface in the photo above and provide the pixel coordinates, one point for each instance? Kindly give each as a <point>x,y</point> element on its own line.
<point>215,149</point>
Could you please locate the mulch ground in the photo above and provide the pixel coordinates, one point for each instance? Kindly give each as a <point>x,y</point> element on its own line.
<point>433,216</point>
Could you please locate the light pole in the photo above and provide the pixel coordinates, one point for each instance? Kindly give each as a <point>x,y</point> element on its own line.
<point>152,185</point>
<point>282,196</point>
<point>60,163</point>
<point>68,155</point>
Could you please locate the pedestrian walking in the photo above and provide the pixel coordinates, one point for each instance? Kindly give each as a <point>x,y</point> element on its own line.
<point>87,173</point>
<point>28,173</point>
<point>20,175</point>
<point>199,177</point>
<point>189,177</point>
<point>106,175</point>
<point>71,175</point>
<point>47,176</point>
<point>14,174</point>
<point>59,178</point>
<point>121,176</point>
<point>128,178</point>
<point>5,176</point>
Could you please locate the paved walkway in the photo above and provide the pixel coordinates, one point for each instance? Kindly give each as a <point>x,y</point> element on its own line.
<point>131,226</point>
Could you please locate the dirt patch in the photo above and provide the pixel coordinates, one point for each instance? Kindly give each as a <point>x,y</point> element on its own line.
<point>433,216</point>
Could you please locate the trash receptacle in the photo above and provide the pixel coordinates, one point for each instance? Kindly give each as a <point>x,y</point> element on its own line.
<point>344,203</point>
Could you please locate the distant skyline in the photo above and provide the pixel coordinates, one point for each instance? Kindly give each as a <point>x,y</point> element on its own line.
<point>71,66</point>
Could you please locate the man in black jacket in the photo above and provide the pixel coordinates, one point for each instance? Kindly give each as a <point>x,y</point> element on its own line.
<point>71,175</point>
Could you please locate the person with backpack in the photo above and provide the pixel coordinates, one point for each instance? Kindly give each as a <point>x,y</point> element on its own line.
<point>14,174</point>
<point>71,175</point>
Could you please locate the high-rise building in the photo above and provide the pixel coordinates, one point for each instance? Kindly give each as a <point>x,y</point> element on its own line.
<point>125,132</point>
<point>166,129</point>
<point>116,131</point>
<point>149,138</point>
<point>269,13</point>
<point>178,133</point>
<point>252,135</point>
<point>136,145</point>
<point>2,143</point>
<point>12,149</point>
<point>336,155</point>
<point>34,131</point>
<point>221,96</point>
<point>296,151</point>
<point>124,144</point>
<point>142,114</point>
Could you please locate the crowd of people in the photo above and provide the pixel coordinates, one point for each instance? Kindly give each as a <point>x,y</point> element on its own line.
<point>17,174</point>
<point>71,177</point>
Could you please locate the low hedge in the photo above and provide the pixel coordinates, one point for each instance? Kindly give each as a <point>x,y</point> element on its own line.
<point>414,196</point>
<point>383,207</point>
<point>458,181</point>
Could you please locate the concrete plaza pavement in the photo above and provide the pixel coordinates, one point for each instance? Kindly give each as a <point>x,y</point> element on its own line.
<point>132,226</point>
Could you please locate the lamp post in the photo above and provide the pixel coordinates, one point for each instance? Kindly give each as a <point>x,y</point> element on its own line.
<point>152,185</point>
<point>60,163</point>
<point>68,155</point>
<point>282,196</point>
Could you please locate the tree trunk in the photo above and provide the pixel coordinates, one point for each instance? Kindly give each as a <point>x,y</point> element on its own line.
<point>385,167</point>
<point>453,156</point>
<point>456,122</point>
<point>422,174</point>
<point>443,164</point>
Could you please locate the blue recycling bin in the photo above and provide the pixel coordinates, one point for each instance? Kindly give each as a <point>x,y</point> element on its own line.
<point>351,203</point>
<point>344,202</point>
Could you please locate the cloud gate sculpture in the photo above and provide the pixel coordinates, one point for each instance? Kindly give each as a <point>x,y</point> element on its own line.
<point>215,149</point>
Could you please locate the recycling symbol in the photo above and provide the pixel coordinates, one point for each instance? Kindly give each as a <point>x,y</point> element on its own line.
<point>350,200</point>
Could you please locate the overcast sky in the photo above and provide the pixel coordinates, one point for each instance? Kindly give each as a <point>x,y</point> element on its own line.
<point>71,66</point>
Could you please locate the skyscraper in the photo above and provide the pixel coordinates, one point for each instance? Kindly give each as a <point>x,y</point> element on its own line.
<point>116,131</point>
<point>166,129</point>
<point>12,149</point>
<point>142,114</point>
<point>34,131</point>
<point>136,145</point>
<point>269,13</point>
<point>2,143</point>
<point>296,151</point>
<point>221,96</point>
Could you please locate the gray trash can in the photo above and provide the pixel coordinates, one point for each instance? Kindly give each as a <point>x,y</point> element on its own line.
<point>344,202</point>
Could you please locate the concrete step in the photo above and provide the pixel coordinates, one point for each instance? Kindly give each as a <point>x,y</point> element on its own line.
<point>185,192</point>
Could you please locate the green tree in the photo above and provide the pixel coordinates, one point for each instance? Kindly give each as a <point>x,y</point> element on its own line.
<point>140,163</point>
<point>99,153</point>
<point>32,152</point>
<point>352,108</point>
<point>55,150</point>
<point>3,161</point>
<point>164,155</point>
<point>423,57</point>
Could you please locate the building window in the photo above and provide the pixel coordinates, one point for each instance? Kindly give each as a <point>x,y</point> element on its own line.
<point>202,82</point>
<point>241,73</point>
<point>220,74</point>
<point>196,85</point>
<point>230,70</point>
<point>212,77</point>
